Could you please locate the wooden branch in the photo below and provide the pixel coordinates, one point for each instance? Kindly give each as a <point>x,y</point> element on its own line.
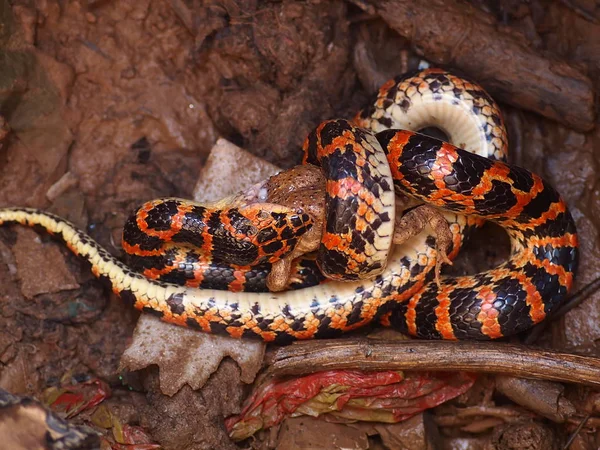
<point>491,357</point>
<point>452,32</point>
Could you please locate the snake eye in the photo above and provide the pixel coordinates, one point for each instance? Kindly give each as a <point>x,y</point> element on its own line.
<point>263,215</point>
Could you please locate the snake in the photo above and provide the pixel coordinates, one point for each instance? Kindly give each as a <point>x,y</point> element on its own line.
<point>468,179</point>
<point>229,245</point>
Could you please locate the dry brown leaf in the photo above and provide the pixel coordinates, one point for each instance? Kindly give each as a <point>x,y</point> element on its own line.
<point>187,356</point>
<point>41,266</point>
<point>228,170</point>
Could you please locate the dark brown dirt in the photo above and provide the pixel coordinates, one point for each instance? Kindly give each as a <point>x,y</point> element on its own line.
<point>110,103</point>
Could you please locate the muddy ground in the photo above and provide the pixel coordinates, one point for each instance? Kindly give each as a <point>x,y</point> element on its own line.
<point>110,103</point>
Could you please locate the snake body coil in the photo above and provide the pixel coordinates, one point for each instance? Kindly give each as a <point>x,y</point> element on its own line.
<point>492,304</point>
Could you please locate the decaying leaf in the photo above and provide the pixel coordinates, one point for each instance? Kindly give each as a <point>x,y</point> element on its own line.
<point>186,356</point>
<point>342,395</point>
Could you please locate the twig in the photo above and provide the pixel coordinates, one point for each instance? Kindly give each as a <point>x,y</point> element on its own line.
<point>572,302</point>
<point>93,47</point>
<point>576,432</point>
<point>458,415</point>
<point>580,11</point>
<point>491,357</point>
<point>577,298</point>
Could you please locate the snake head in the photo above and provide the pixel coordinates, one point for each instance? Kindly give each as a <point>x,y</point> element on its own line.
<point>274,229</point>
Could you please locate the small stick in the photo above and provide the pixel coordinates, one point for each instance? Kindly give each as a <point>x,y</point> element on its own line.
<point>576,432</point>
<point>490,357</point>
<point>572,302</point>
<point>580,11</point>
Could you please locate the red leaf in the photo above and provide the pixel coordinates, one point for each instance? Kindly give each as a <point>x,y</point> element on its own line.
<point>381,396</point>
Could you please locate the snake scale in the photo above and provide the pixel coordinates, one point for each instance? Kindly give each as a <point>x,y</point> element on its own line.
<point>231,247</point>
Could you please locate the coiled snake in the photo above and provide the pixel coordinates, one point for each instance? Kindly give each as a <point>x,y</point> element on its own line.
<point>403,294</point>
